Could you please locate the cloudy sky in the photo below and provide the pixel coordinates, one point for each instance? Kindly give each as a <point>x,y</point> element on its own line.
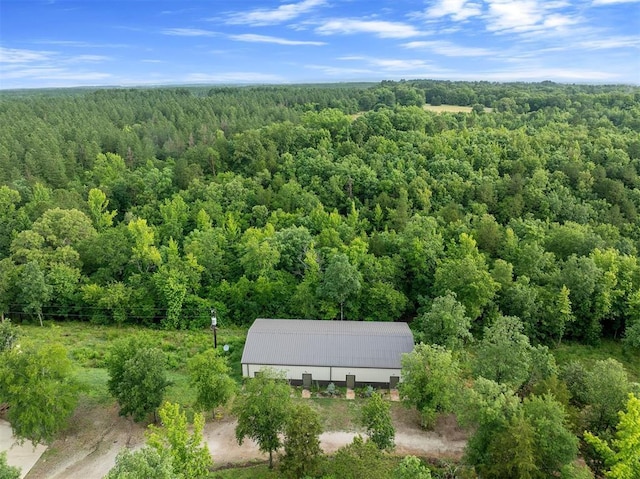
<point>58,43</point>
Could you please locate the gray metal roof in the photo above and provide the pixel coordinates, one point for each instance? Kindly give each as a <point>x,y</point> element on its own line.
<point>306,342</point>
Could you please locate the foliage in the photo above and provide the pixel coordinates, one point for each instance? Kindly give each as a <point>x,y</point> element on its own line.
<point>358,459</point>
<point>262,409</point>
<point>622,453</point>
<point>209,374</point>
<point>137,377</point>
<point>302,452</point>
<point>430,381</point>
<point>526,439</point>
<point>606,389</point>
<point>445,323</point>
<point>9,334</point>
<point>7,471</point>
<point>146,462</point>
<point>38,386</point>
<point>411,468</point>
<point>188,455</point>
<point>376,419</point>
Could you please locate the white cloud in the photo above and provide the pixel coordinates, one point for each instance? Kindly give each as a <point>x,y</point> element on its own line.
<point>458,9</point>
<point>448,49</point>
<point>390,64</point>
<point>598,3</point>
<point>382,29</point>
<point>264,16</point>
<point>233,77</point>
<point>611,42</point>
<point>189,32</point>
<point>17,55</point>
<point>249,37</point>
<point>340,71</point>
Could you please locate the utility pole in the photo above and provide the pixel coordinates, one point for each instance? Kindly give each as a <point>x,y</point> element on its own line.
<point>214,327</point>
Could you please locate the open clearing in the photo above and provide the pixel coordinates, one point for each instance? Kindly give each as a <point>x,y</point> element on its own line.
<point>448,108</point>
<point>89,447</point>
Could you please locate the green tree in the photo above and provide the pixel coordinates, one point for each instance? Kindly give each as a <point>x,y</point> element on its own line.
<point>607,386</point>
<point>376,418</point>
<point>430,381</point>
<point>189,456</point>
<point>411,468</point>
<point>302,452</point>
<point>465,272</point>
<point>262,410</point>
<point>445,323</point>
<point>209,374</point>
<point>145,463</point>
<point>7,471</point>
<point>504,354</point>
<point>98,203</point>
<point>554,445</point>
<point>359,459</point>
<point>33,290</point>
<point>621,454</point>
<point>340,281</point>
<point>137,377</point>
<point>38,386</point>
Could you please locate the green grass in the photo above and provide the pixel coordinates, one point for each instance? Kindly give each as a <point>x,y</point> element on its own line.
<point>88,346</point>
<point>568,352</point>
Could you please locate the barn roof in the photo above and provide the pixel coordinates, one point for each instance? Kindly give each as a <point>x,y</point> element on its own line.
<point>305,342</point>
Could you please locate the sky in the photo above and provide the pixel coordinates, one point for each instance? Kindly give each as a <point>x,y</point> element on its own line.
<point>66,43</point>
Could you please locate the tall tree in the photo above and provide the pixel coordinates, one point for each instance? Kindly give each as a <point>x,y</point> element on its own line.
<point>209,374</point>
<point>621,454</point>
<point>262,410</point>
<point>340,281</point>
<point>38,386</point>
<point>137,377</point>
<point>189,456</point>
<point>430,381</point>
<point>302,452</point>
<point>376,418</point>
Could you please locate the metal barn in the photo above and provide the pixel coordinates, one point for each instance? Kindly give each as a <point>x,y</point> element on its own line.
<point>350,353</point>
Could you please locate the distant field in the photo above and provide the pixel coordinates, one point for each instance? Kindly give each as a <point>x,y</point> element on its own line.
<point>448,108</point>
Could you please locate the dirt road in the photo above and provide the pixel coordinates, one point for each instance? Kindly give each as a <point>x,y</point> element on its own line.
<point>89,448</point>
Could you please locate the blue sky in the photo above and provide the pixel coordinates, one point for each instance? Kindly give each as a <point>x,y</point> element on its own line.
<point>60,43</point>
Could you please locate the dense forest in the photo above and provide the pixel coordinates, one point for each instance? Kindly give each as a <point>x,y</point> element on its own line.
<point>151,206</point>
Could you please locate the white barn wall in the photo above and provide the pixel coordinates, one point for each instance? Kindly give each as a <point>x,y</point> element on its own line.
<point>318,373</point>
<point>364,375</point>
<point>326,373</point>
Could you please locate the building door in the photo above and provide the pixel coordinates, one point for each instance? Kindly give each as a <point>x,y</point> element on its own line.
<point>393,382</point>
<point>351,381</point>
<point>306,380</point>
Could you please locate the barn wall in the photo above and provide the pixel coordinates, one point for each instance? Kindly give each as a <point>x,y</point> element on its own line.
<point>364,375</point>
<point>326,373</point>
<point>318,373</point>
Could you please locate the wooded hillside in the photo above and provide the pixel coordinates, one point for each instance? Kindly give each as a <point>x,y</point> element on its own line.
<point>151,206</point>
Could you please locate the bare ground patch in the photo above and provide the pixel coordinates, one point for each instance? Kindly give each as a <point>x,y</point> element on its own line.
<point>89,447</point>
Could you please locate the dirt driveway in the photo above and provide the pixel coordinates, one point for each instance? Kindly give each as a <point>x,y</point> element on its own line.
<point>89,448</point>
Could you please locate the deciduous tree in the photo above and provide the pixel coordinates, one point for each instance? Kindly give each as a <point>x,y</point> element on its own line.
<point>262,410</point>
<point>209,374</point>
<point>302,450</point>
<point>38,386</point>
<point>376,418</point>
<point>137,377</point>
